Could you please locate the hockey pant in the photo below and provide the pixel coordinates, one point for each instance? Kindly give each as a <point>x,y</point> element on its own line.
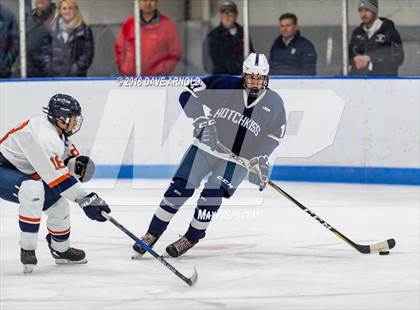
<point>34,196</point>
<point>223,179</point>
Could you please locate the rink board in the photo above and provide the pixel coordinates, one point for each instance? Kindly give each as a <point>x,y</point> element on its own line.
<point>339,130</point>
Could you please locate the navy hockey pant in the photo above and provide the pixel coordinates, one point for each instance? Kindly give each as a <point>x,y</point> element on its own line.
<point>224,178</point>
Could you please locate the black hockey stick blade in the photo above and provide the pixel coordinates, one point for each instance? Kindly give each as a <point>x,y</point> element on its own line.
<point>383,246</point>
<point>379,247</point>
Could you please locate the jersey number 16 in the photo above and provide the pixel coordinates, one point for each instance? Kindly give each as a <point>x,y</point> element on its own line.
<point>57,162</point>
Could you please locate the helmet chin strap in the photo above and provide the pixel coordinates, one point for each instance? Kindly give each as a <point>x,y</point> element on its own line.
<point>252,95</point>
<point>254,92</point>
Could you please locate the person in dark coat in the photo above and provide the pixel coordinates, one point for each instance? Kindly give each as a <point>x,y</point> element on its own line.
<point>292,54</point>
<point>9,41</point>
<point>375,48</point>
<point>223,47</point>
<point>38,21</point>
<point>70,49</point>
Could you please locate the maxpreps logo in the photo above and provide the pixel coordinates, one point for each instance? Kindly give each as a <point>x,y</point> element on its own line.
<point>205,215</point>
<point>226,214</point>
<point>313,117</point>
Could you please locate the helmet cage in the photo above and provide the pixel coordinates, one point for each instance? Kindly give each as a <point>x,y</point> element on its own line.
<point>264,84</point>
<point>256,64</point>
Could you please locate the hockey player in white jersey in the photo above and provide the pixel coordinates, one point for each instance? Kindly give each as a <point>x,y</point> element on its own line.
<point>41,169</point>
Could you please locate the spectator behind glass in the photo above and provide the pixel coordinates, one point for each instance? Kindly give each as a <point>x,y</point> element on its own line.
<point>38,21</point>
<point>223,47</point>
<point>160,47</point>
<point>9,41</point>
<point>375,47</point>
<point>70,48</point>
<point>292,54</point>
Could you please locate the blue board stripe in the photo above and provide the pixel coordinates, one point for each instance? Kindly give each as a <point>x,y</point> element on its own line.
<point>368,175</point>
<point>331,174</point>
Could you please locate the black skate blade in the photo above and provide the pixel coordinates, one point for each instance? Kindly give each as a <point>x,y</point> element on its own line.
<point>61,261</point>
<point>28,268</point>
<point>136,256</point>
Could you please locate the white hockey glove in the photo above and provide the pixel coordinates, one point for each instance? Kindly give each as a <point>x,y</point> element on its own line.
<point>205,131</point>
<point>259,167</point>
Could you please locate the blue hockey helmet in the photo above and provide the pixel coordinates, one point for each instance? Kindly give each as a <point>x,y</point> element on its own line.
<point>62,109</point>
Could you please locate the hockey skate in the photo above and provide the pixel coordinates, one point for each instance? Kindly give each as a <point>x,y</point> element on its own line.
<point>179,247</point>
<point>28,259</point>
<point>70,257</point>
<point>149,239</point>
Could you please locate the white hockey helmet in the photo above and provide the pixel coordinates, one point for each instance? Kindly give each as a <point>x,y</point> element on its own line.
<point>256,63</point>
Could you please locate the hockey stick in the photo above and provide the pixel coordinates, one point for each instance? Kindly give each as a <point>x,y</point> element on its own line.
<point>190,281</point>
<point>380,247</point>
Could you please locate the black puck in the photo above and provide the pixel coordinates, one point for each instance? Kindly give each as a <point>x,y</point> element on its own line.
<point>384,253</point>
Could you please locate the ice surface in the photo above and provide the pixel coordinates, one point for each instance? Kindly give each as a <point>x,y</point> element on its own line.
<point>262,253</point>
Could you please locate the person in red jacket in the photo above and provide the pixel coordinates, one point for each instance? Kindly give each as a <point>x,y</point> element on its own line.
<point>160,47</point>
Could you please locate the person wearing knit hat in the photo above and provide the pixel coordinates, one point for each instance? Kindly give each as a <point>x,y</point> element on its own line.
<point>368,11</point>
<point>375,47</point>
<point>371,5</point>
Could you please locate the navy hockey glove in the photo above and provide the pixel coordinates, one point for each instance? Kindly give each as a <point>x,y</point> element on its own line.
<point>92,205</point>
<point>205,131</point>
<point>84,168</point>
<point>259,167</point>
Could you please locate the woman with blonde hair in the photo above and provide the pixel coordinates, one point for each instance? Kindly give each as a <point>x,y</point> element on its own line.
<point>70,49</point>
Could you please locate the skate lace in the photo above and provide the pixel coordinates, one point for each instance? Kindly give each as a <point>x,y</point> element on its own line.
<point>72,251</point>
<point>183,244</point>
<point>148,239</point>
<point>28,253</point>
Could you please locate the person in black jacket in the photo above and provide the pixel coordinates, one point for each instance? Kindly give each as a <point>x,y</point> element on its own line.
<point>223,47</point>
<point>9,41</point>
<point>38,21</point>
<point>375,47</point>
<point>70,49</point>
<point>292,54</point>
